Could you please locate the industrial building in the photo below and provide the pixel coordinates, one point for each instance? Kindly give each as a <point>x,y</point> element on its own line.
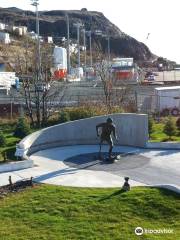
<point>123,68</point>
<point>60,63</point>
<point>4,38</point>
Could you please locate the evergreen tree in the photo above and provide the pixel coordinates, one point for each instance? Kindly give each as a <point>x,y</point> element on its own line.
<point>170,128</point>
<point>2,139</point>
<point>178,124</point>
<point>22,128</point>
<point>150,126</point>
<point>64,117</point>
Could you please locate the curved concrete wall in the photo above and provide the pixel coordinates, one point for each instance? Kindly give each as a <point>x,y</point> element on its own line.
<point>132,130</point>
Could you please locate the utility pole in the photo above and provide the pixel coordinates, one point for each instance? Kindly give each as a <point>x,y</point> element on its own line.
<point>107,36</point>
<point>78,40</point>
<point>78,26</point>
<point>84,43</point>
<point>109,55</point>
<point>109,49</point>
<point>90,47</point>
<point>68,46</point>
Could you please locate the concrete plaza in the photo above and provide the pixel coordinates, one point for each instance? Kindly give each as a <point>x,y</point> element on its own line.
<point>143,167</point>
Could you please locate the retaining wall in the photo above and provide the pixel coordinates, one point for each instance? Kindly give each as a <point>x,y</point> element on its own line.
<point>164,145</point>
<point>132,130</point>
<point>15,166</point>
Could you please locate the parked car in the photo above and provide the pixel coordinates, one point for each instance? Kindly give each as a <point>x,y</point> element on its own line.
<point>42,87</point>
<point>151,77</point>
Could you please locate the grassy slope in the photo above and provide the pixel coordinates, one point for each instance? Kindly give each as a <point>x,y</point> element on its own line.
<point>54,213</point>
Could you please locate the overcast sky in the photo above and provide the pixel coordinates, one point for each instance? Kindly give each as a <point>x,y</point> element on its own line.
<point>137,18</point>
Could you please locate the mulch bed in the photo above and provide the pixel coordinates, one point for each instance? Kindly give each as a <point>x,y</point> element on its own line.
<point>15,187</point>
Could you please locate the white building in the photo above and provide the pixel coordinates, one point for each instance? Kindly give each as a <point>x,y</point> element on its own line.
<point>24,30</point>
<point>4,38</point>
<point>2,26</point>
<point>18,31</point>
<point>7,79</point>
<point>21,30</point>
<point>73,48</point>
<point>50,39</point>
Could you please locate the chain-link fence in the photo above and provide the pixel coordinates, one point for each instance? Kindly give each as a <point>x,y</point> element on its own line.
<point>161,105</point>
<point>141,99</point>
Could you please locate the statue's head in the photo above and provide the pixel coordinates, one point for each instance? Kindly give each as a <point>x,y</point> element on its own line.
<point>126,179</point>
<point>109,120</point>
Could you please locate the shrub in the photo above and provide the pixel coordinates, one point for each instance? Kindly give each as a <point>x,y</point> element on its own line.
<point>85,111</point>
<point>64,116</point>
<point>150,125</point>
<point>2,139</point>
<point>22,128</point>
<point>178,124</point>
<point>1,156</point>
<point>80,113</point>
<point>170,128</point>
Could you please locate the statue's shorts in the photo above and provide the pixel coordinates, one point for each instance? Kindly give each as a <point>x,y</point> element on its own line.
<point>108,140</point>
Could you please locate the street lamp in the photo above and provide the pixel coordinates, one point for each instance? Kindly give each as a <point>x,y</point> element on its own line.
<point>109,53</point>
<point>84,43</point>
<point>89,33</point>
<point>107,36</point>
<point>68,46</point>
<point>109,47</point>
<point>78,26</point>
<point>35,3</point>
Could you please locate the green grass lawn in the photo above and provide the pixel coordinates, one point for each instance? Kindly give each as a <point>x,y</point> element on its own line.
<point>55,213</point>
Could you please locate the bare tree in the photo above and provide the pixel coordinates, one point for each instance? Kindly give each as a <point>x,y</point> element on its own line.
<point>42,98</point>
<point>103,72</point>
<point>116,92</point>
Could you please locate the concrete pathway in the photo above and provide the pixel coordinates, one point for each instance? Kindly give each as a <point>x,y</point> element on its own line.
<point>159,167</point>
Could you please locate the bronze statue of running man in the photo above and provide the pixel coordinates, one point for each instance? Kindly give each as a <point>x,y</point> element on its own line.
<point>107,128</point>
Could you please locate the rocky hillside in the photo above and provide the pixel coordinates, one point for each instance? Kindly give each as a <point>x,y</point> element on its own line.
<point>54,23</point>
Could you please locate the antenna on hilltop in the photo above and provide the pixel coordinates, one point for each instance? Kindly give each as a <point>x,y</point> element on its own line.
<point>147,36</point>
<point>35,3</point>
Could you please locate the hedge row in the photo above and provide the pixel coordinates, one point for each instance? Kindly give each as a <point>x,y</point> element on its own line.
<point>71,114</point>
